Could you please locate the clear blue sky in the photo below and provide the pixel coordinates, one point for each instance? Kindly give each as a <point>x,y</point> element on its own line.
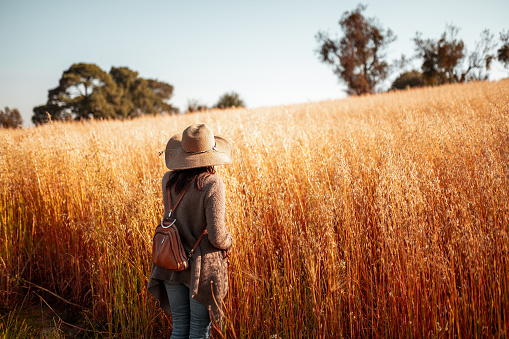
<point>264,50</point>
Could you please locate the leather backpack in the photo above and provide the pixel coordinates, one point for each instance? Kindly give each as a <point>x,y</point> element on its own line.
<point>167,249</point>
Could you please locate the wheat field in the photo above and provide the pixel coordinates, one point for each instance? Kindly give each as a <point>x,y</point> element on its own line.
<point>375,216</point>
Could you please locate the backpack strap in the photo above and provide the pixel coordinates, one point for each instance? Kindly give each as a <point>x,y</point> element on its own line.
<point>180,198</point>
<point>172,209</point>
<point>197,241</point>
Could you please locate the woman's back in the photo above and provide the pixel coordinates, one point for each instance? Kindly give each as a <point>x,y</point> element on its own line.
<point>199,207</point>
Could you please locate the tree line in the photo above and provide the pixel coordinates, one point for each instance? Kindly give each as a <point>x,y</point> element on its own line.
<point>358,58</point>
<point>86,91</point>
<point>231,99</point>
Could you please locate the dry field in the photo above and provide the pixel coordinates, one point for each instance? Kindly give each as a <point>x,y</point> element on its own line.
<point>375,216</point>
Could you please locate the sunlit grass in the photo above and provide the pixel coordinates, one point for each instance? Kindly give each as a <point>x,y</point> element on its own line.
<point>384,215</point>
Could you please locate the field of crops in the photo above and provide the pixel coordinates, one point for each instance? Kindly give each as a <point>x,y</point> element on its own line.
<point>375,216</point>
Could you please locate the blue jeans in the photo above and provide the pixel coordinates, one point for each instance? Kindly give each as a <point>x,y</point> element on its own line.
<point>190,319</point>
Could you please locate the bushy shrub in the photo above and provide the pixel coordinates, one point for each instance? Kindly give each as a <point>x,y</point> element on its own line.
<point>232,99</point>
<point>10,118</point>
<point>408,80</point>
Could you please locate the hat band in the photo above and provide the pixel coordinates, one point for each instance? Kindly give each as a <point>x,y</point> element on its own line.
<point>210,150</point>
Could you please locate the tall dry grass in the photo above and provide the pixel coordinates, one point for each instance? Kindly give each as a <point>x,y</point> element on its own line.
<point>384,215</point>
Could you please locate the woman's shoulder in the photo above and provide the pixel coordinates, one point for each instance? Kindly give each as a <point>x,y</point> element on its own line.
<point>166,177</point>
<point>213,182</point>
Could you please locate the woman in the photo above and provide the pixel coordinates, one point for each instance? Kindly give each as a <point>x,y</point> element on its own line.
<point>194,296</point>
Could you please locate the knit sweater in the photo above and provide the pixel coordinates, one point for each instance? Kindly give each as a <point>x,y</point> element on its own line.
<point>207,276</point>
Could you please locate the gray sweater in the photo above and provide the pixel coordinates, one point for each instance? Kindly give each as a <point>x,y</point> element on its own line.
<point>207,276</point>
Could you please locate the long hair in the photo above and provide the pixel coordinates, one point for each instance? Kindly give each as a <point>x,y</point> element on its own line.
<point>180,178</point>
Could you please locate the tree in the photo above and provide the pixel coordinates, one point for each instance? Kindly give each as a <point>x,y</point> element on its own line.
<point>194,105</point>
<point>479,61</point>
<point>358,57</point>
<point>443,59</point>
<point>138,95</point>
<point>45,113</point>
<point>163,93</point>
<point>231,99</point>
<point>503,52</point>
<point>408,80</point>
<point>10,118</point>
<point>86,91</point>
<point>125,80</point>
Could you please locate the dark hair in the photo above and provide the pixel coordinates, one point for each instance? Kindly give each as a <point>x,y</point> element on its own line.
<point>180,178</point>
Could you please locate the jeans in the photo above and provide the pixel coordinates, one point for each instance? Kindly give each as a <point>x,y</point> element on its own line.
<point>190,319</point>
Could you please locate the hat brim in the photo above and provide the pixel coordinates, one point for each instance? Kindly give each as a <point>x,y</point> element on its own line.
<point>177,159</point>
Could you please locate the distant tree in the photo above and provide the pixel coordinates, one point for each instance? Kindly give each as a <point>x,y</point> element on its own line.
<point>440,58</point>
<point>231,99</point>
<point>479,61</point>
<point>408,80</point>
<point>126,83</point>
<point>86,91</point>
<point>503,52</point>
<point>357,58</point>
<point>194,105</point>
<point>10,118</point>
<point>443,59</point>
<point>50,111</point>
<point>163,93</point>
<point>139,96</point>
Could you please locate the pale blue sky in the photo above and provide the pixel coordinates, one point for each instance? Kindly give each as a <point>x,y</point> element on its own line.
<point>264,50</point>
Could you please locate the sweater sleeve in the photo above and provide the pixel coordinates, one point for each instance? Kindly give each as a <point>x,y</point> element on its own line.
<point>215,213</point>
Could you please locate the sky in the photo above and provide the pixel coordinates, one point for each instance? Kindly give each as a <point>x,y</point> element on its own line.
<point>263,50</point>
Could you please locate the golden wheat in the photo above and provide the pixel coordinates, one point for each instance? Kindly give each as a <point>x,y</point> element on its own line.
<point>384,215</point>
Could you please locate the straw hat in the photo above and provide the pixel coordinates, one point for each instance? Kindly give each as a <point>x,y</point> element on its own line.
<point>197,147</point>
